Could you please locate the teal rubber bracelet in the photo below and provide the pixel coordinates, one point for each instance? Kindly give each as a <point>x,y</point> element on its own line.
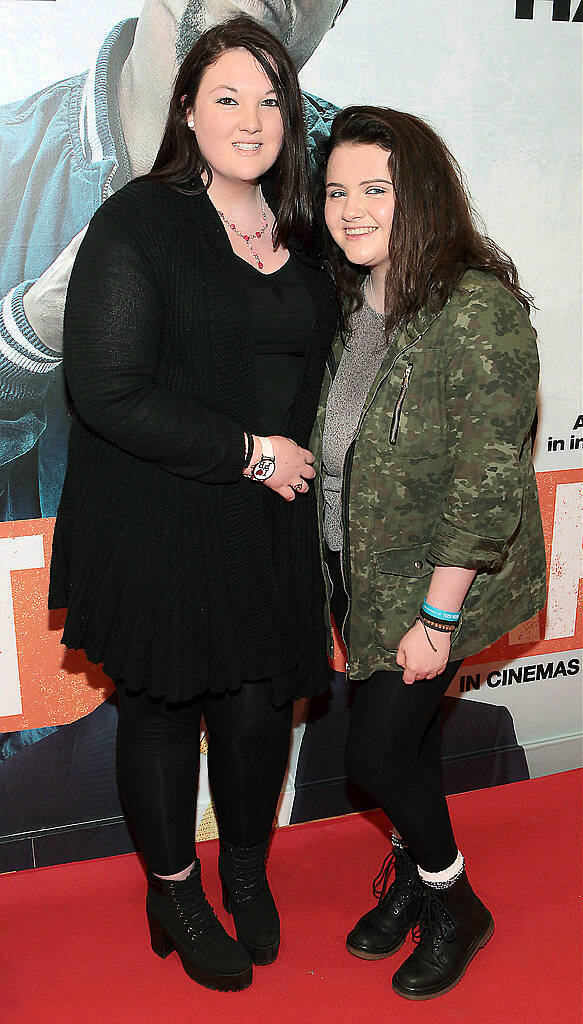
<point>438,613</point>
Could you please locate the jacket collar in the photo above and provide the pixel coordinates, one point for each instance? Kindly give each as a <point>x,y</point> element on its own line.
<point>95,132</point>
<point>417,327</point>
<point>414,330</point>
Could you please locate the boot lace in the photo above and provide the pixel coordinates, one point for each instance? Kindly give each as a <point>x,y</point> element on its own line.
<point>434,922</point>
<point>247,872</point>
<point>381,885</point>
<point>192,908</point>
<point>401,883</point>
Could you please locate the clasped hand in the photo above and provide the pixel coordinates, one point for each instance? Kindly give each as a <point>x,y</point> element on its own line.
<point>416,656</point>
<point>293,468</point>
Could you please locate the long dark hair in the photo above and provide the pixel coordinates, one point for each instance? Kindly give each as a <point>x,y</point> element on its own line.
<point>434,237</point>
<point>180,163</point>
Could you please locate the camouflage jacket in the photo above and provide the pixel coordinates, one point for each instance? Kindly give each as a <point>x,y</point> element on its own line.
<point>440,473</point>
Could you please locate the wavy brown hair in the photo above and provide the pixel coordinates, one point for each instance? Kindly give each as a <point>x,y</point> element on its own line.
<point>180,163</point>
<point>434,238</point>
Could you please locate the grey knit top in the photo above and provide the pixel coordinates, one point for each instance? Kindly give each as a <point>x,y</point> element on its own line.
<point>360,361</point>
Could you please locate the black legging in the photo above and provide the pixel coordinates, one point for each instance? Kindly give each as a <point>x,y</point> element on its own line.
<point>158,763</point>
<point>393,751</point>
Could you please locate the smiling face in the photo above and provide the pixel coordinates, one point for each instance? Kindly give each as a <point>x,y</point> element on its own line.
<point>237,119</point>
<point>298,24</point>
<point>360,203</point>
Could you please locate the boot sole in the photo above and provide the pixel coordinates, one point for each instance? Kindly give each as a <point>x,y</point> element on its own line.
<point>163,946</point>
<point>217,982</point>
<point>364,954</point>
<point>478,944</point>
<point>261,956</point>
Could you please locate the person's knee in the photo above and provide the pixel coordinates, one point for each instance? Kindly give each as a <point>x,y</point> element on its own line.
<point>361,767</point>
<point>376,768</point>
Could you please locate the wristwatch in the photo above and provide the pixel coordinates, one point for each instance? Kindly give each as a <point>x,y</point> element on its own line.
<point>265,467</point>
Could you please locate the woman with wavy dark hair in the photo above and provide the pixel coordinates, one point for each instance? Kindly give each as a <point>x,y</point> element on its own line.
<point>428,505</point>
<point>185,549</point>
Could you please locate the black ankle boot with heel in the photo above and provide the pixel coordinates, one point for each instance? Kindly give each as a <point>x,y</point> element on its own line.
<point>181,919</point>
<point>383,930</point>
<point>247,896</point>
<point>453,925</point>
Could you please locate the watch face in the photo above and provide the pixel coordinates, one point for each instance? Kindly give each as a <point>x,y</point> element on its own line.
<point>263,469</point>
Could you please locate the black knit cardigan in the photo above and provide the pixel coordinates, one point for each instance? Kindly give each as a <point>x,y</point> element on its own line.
<point>180,575</point>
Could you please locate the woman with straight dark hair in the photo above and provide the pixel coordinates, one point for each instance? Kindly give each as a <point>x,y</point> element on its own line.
<point>429,513</point>
<point>185,549</point>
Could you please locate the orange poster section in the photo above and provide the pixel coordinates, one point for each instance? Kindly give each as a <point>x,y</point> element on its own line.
<point>57,687</point>
<point>507,650</point>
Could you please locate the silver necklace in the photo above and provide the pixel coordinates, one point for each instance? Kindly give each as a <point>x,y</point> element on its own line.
<point>247,238</point>
<point>371,290</point>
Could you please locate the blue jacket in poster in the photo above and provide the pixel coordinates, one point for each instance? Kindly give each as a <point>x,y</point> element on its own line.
<point>61,155</point>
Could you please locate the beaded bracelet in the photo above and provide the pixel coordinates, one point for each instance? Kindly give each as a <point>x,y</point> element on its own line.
<point>441,627</point>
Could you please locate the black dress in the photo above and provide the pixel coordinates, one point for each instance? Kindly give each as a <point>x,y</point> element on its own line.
<point>281,322</point>
<point>180,575</point>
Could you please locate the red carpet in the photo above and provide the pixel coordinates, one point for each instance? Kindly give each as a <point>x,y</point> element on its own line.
<point>74,946</point>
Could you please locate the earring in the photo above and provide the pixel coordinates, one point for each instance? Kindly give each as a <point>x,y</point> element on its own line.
<point>190,121</point>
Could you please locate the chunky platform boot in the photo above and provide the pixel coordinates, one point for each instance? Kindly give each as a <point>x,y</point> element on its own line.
<point>382,931</point>
<point>453,925</point>
<point>181,919</point>
<point>247,896</point>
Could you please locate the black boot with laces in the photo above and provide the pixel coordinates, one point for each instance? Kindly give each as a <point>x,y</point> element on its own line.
<point>453,925</point>
<point>247,896</point>
<point>181,919</point>
<point>383,929</point>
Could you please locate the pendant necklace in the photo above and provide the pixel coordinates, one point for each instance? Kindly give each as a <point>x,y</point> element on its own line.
<point>248,238</point>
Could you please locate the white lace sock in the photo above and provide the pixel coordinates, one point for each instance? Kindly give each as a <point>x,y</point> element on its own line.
<point>443,879</point>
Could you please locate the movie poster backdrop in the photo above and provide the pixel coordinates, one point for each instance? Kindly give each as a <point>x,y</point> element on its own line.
<point>501,82</point>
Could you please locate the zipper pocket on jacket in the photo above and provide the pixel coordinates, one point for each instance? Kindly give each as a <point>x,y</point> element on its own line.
<point>399,405</point>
